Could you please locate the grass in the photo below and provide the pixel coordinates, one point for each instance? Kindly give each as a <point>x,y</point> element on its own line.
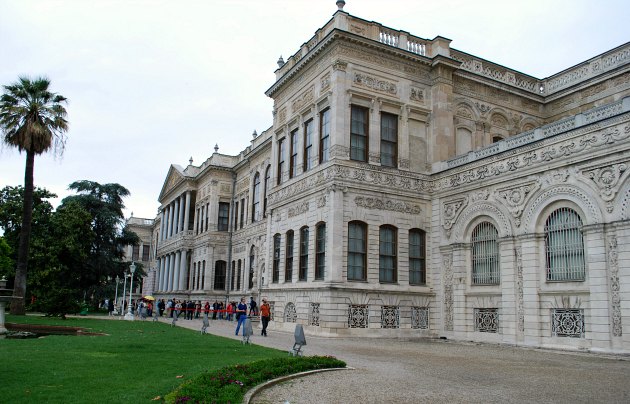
<point>136,361</point>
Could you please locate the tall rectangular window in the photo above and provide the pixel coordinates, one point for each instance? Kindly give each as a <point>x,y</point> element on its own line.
<point>275,276</point>
<point>145,253</point>
<point>359,134</point>
<point>238,276</point>
<point>267,179</point>
<point>324,136</point>
<point>388,255</point>
<point>357,251</point>
<point>417,257</point>
<point>303,254</point>
<point>389,140</point>
<point>293,153</point>
<point>233,275</point>
<point>219,275</point>
<point>320,251</point>
<point>308,146</point>
<point>224,216</point>
<point>281,147</point>
<point>235,216</point>
<point>207,214</point>
<point>242,212</point>
<point>135,255</point>
<point>288,261</point>
<point>256,198</point>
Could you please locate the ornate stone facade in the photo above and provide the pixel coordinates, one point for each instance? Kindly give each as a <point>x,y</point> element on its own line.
<point>377,231</point>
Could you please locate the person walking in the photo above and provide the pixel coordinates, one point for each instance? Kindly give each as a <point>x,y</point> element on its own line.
<point>241,314</point>
<point>253,310</point>
<point>110,307</point>
<point>265,316</point>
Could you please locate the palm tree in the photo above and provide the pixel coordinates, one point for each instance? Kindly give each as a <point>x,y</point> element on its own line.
<point>33,120</point>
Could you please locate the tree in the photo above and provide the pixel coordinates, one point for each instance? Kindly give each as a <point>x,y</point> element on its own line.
<point>33,119</point>
<point>6,263</point>
<point>104,203</point>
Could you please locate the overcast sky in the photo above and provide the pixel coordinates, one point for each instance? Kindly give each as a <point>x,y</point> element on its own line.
<point>152,83</point>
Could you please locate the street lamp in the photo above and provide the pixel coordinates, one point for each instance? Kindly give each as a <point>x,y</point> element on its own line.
<point>122,301</point>
<point>129,315</point>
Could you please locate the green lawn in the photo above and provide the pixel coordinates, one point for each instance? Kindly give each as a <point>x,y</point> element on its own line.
<point>135,362</point>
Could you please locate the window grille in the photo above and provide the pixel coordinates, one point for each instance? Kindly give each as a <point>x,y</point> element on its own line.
<point>564,246</point>
<point>390,317</point>
<point>358,316</point>
<point>314,316</point>
<point>290,314</point>
<point>567,323</point>
<point>420,318</point>
<point>485,255</point>
<point>487,320</point>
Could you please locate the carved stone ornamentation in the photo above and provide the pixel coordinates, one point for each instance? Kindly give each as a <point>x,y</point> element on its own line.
<point>298,210</point>
<point>282,115</point>
<point>608,179</point>
<point>383,86</point>
<point>480,195</point>
<point>417,94</point>
<point>340,65</point>
<point>447,260</point>
<point>450,212</point>
<point>321,201</point>
<point>483,108</point>
<point>615,297</point>
<point>381,204</point>
<point>304,99</point>
<point>325,81</point>
<point>515,198</point>
<point>520,309</point>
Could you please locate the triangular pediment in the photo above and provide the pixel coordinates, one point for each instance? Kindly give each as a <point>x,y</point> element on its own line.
<point>174,178</point>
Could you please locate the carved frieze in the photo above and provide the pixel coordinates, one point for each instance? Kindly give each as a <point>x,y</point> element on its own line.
<point>325,81</point>
<point>375,84</point>
<point>304,99</point>
<point>298,210</point>
<point>226,189</point>
<point>356,52</point>
<point>340,65</point>
<point>417,94</point>
<point>387,204</point>
<point>569,147</point>
<point>282,115</point>
<point>321,201</point>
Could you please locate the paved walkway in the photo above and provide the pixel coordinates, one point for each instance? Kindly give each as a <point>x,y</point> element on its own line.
<point>438,371</point>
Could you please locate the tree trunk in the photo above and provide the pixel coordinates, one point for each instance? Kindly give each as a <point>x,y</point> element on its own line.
<point>19,290</point>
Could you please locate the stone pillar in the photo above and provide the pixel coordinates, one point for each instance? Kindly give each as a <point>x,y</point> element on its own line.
<point>176,216</point>
<point>180,218</point>
<point>443,136</point>
<point>209,270</point>
<point>162,225</point>
<point>177,270</point>
<point>187,212</point>
<point>171,271</point>
<point>170,220</point>
<point>183,270</point>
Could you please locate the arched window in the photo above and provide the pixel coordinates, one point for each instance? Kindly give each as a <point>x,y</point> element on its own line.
<point>252,260</point>
<point>219,275</point>
<point>417,257</point>
<point>256,199</point>
<point>357,251</point>
<point>303,271</point>
<point>288,258</point>
<point>485,255</point>
<point>564,246</point>
<point>275,276</point>
<point>320,251</point>
<point>388,247</point>
<point>266,190</point>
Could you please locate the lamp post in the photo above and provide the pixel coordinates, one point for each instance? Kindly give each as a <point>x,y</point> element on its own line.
<point>116,297</point>
<point>129,315</point>
<point>122,301</point>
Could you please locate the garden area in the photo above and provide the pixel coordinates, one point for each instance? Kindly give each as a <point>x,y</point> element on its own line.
<point>131,362</point>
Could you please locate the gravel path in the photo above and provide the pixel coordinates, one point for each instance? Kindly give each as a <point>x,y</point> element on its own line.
<point>438,371</point>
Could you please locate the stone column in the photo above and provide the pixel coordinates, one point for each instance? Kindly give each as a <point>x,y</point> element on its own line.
<point>171,271</point>
<point>162,225</point>
<point>443,136</point>
<point>180,218</point>
<point>170,219</point>
<point>176,216</point>
<point>187,211</point>
<point>183,270</point>
<point>177,269</point>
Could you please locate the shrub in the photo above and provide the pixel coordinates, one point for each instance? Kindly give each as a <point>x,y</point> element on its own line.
<point>229,384</point>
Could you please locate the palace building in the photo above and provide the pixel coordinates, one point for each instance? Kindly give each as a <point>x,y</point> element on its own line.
<point>410,189</point>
